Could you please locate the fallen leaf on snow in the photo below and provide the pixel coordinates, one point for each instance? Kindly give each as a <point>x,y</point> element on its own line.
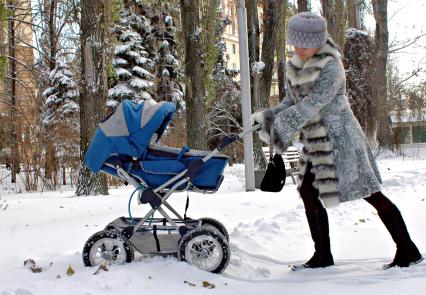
<point>36,269</point>
<point>208,285</point>
<point>70,271</point>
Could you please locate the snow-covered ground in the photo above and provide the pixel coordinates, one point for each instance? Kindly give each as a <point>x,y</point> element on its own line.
<point>268,231</point>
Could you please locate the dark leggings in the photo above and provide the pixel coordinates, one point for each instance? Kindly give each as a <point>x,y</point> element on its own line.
<point>311,201</point>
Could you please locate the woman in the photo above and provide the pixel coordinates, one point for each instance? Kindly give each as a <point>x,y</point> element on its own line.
<point>336,164</point>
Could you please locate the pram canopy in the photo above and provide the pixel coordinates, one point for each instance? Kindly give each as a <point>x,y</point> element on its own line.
<point>128,130</point>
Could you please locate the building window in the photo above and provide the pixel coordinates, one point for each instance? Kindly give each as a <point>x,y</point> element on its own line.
<point>234,50</point>
<point>233,17</point>
<point>419,134</point>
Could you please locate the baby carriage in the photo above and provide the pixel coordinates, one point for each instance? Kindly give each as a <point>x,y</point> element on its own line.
<point>122,146</point>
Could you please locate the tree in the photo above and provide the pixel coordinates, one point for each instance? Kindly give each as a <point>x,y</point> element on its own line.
<point>61,117</point>
<point>224,114</point>
<point>12,93</point>
<point>335,13</point>
<point>302,5</point>
<point>273,12</point>
<point>281,49</point>
<point>380,62</point>
<point>199,21</point>
<point>167,65</point>
<point>95,23</point>
<point>133,67</point>
<point>358,60</point>
<point>261,82</point>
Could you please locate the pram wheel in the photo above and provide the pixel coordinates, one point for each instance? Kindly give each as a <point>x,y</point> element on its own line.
<point>216,224</point>
<point>107,245</point>
<point>205,248</point>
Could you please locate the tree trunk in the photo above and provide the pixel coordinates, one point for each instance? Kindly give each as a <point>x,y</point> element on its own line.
<point>261,85</point>
<point>280,52</point>
<point>351,15</point>
<point>334,12</point>
<point>302,5</point>
<point>253,34</point>
<point>196,123</point>
<point>50,7</point>
<point>94,87</point>
<point>380,85</point>
<point>52,34</point>
<point>14,167</point>
<point>271,19</point>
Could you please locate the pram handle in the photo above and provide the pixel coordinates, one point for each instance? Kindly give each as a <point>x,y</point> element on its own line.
<point>227,140</point>
<point>196,165</point>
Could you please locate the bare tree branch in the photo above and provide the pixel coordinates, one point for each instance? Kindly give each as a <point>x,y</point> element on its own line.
<point>409,43</point>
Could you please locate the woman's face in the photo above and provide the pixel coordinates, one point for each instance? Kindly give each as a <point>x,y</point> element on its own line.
<point>305,53</point>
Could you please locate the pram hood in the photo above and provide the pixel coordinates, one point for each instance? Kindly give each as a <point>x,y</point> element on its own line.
<point>128,131</point>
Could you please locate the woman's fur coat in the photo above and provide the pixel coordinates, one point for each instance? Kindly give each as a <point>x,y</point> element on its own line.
<point>317,107</point>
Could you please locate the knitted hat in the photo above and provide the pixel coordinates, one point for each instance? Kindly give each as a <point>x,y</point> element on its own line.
<point>307,30</point>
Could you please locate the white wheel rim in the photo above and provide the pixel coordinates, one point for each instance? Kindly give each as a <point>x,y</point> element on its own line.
<point>205,252</point>
<point>107,249</point>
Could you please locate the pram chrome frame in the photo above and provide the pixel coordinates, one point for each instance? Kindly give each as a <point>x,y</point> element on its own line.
<point>162,192</point>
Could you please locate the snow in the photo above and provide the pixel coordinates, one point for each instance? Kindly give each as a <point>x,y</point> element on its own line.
<point>165,73</point>
<point>119,90</point>
<point>123,73</point>
<point>141,72</point>
<point>258,67</point>
<point>119,61</point>
<point>268,231</point>
<point>140,84</point>
<point>168,19</point>
<point>123,48</point>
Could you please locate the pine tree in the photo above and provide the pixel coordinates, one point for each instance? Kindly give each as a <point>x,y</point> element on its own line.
<point>168,70</point>
<point>132,64</point>
<point>61,115</point>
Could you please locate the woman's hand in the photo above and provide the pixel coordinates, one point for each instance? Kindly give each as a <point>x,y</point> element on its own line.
<point>266,119</point>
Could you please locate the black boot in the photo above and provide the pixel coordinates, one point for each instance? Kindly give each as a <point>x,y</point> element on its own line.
<point>406,251</point>
<point>318,225</point>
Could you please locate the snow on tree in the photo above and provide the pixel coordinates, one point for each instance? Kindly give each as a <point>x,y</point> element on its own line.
<point>168,69</point>
<point>60,118</point>
<point>224,114</point>
<point>133,67</point>
<point>358,61</point>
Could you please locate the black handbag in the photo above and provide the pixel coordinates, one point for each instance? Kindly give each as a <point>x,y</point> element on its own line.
<point>275,173</point>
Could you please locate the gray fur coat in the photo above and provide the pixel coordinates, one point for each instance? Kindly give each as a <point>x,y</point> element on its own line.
<point>316,107</point>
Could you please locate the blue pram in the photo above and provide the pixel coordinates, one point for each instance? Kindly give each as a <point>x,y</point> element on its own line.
<point>125,146</point>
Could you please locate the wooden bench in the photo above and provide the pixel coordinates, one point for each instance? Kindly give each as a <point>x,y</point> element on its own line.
<point>291,161</point>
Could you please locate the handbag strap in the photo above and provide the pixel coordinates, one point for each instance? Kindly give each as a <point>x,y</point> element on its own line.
<point>271,143</point>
